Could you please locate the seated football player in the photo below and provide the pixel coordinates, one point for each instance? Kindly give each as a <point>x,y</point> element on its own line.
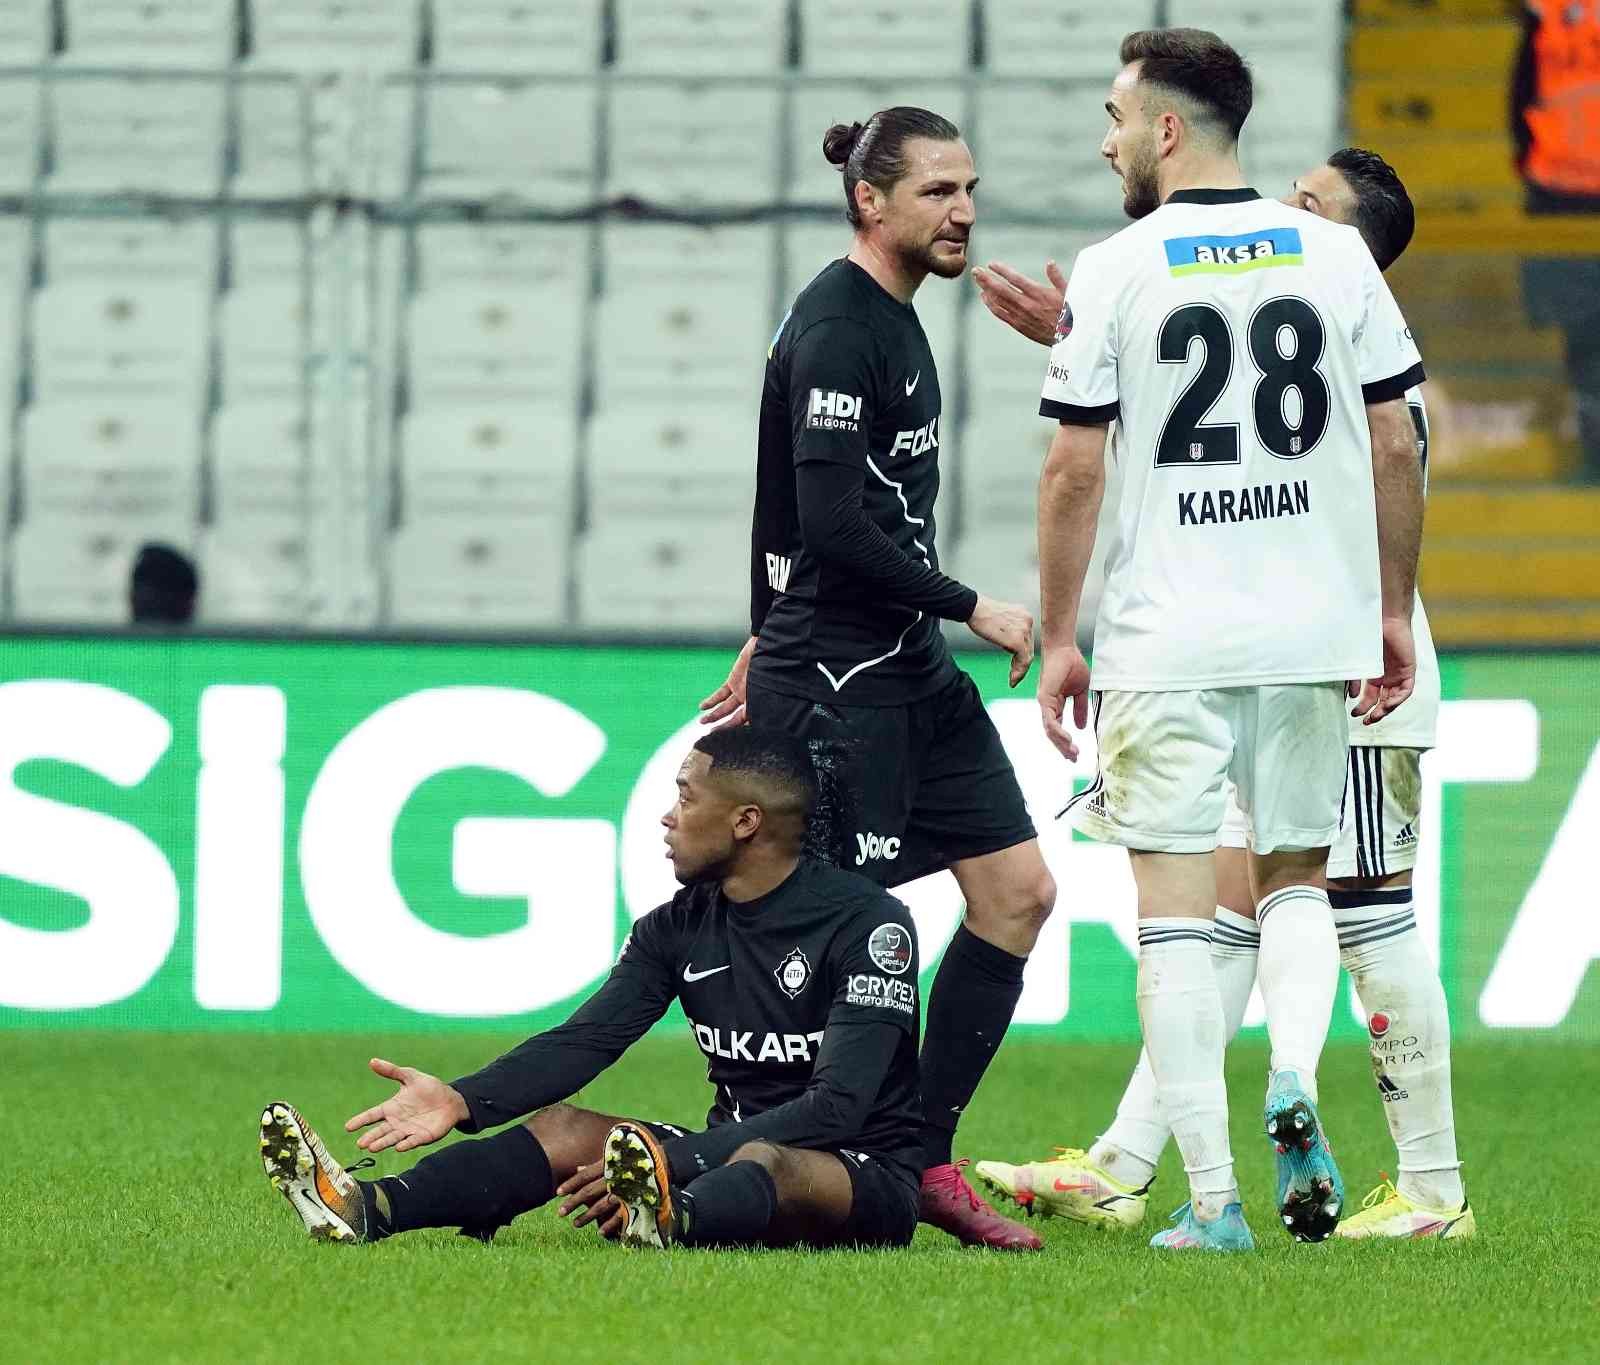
<point>800,985</point>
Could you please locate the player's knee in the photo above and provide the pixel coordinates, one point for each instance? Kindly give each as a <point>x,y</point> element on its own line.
<point>764,1154</point>
<point>1034,900</point>
<point>555,1126</point>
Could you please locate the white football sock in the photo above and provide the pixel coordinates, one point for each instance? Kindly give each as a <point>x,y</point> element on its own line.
<point>1180,1012</point>
<point>1408,1026</point>
<point>1299,974</point>
<point>1131,1147</point>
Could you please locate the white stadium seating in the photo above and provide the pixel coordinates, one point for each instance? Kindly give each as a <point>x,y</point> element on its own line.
<point>129,457</point>
<point>642,255</point>
<point>663,578</point>
<point>1060,39</point>
<point>259,460</point>
<point>122,248</point>
<point>689,346</point>
<point>1004,559</point>
<point>552,262</point>
<point>478,573</point>
<point>24,32</point>
<point>486,461</point>
<point>552,37</point>
<point>319,35</point>
<point>272,141</point>
<point>1301,37</point>
<point>255,571</point>
<point>1038,147</point>
<point>265,338</point>
<point>672,464</point>
<point>165,34</point>
<point>74,570</point>
<point>1001,455</point>
<point>20,114</point>
<point>700,37</point>
<point>265,251</point>
<point>120,337</point>
<point>136,134</point>
<point>916,38</point>
<point>487,344</point>
<point>688,144</point>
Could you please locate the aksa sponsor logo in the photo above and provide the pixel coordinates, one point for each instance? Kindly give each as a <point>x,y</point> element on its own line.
<point>878,992</point>
<point>890,948</point>
<point>793,973</point>
<point>829,410</point>
<point>870,847</point>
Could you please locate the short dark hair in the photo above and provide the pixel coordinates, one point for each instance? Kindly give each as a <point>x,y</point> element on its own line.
<point>163,586</point>
<point>775,765</point>
<point>1197,65</point>
<point>875,151</point>
<point>1385,215</point>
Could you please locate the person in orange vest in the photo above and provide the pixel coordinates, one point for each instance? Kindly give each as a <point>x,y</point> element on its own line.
<point>1555,128</point>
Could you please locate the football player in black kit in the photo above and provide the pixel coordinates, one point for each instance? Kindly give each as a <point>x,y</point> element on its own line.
<point>800,985</point>
<point>845,649</point>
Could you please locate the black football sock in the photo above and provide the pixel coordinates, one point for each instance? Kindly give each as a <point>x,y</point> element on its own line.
<point>730,1206</point>
<point>476,1186</point>
<point>974,995</point>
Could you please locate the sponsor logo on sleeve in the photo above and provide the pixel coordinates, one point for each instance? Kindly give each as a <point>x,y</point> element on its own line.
<point>829,410</point>
<point>793,973</point>
<point>1064,321</point>
<point>890,948</point>
<point>881,993</point>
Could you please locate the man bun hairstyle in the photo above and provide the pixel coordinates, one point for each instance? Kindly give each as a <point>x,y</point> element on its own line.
<point>1200,68</point>
<point>1385,215</point>
<point>771,766</point>
<point>875,151</point>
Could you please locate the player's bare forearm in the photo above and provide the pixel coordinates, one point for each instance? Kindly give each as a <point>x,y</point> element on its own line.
<point>1397,483</point>
<point>1071,486</point>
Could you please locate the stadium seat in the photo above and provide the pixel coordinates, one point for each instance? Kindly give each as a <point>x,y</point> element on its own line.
<point>259,460</point>
<point>694,144</point>
<point>322,35</point>
<point>127,338</point>
<point>813,109</point>
<point>25,32</point>
<point>474,573</point>
<point>265,251</point>
<point>671,464</point>
<point>917,38</point>
<point>700,37</point>
<point>688,346</point>
<point>552,37</point>
<point>484,344</point>
<point>74,570</point>
<point>1303,37</point>
<point>273,138</point>
<point>643,255</point>
<point>136,134</point>
<point>1038,147</point>
<point>19,134</point>
<point>1059,38</point>
<point>131,248</point>
<point>266,339</point>
<point>129,457</point>
<point>1002,560</point>
<point>509,139</point>
<point>151,33</point>
<point>255,571</point>
<point>547,261</point>
<point>486,461</point>
<point>664,579</point>
<point>1001,455</point>
<point>1293,126</point>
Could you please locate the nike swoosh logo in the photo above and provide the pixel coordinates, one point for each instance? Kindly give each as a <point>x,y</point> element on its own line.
<point>911,384</point>
<point>690,975</point>
<point>1066,1188</point>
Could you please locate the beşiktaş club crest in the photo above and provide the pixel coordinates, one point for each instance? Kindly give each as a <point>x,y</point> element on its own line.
<point>890,948</point>
<point>1064,322</point>
<point>793,973</point>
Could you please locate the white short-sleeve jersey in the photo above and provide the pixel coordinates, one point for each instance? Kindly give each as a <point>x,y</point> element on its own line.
<point>1235,342</point>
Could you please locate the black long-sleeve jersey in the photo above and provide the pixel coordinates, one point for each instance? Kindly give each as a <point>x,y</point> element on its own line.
<point>804,1002</point>
<point>845,588</point>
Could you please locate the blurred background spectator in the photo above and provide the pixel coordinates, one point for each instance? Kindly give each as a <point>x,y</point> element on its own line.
<point>163,587</point>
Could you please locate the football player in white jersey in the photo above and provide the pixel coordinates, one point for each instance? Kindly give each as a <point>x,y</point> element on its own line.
<point>1255,364</point>
<point>1369,867</point>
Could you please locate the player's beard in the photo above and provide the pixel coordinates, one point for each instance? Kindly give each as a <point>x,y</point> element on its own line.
<point>925,259</point>
<point>1141,182</point>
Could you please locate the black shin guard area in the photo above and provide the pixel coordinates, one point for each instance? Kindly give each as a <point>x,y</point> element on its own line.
<point>477,1186</point>
<point>974,995</point>
<point>730,1206</point>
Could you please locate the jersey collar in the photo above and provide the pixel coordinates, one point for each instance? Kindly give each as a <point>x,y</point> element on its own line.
<point>1212,196</point>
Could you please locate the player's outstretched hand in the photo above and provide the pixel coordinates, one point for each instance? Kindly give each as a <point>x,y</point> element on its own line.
<point>1062,674</point>
<point>421,1111</point>
<point>725,706</point>
<point>1382,695</point>
<point>1006,626</point>
<point>1023,304</point>
<point>586,1189</point>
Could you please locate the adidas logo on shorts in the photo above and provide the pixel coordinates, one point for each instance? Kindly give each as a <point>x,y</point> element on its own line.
<point>1406,837</point>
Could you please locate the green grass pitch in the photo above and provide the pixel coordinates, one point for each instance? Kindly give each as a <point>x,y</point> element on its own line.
<point>139,1227</point>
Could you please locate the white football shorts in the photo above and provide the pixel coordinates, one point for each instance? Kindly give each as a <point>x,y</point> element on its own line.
<point>1166,760</point>
<point>1380,814</point>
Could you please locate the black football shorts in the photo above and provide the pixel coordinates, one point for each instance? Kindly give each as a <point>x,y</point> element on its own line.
<point>906,790</point>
